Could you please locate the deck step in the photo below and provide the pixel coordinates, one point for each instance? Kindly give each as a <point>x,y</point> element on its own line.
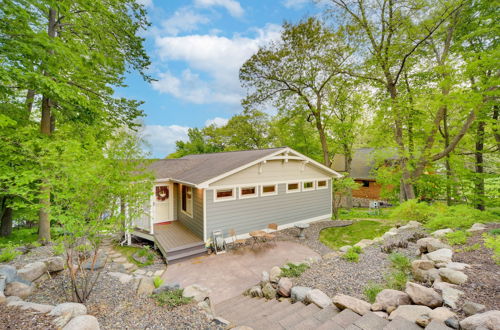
<point>181,255</point>
<point>186,247</point>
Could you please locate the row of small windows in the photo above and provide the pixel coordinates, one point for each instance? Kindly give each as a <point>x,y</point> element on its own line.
<point>251,191</point>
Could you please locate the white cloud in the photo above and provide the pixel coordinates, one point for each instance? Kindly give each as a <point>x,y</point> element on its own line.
<point>295,4</point>
<point>216,57</point>
<point>162,138</point>
<point>183,20</point>
<point>232,6</point>
<point>145,3</point>
<point>217,121</point>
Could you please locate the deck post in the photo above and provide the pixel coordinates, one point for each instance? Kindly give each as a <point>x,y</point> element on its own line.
<point>151,215</point>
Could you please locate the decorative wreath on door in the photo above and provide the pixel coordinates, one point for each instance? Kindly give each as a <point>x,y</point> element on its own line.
<point>161,193</point>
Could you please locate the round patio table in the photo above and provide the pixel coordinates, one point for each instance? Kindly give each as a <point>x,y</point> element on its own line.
<point>301,226</point>
<point>257,236</point>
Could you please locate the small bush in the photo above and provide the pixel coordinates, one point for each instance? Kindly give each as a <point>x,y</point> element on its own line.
<point>172,298</point>
<point>397,280</point>
<point>157,281</point>
<point>58,249</point>
<point>372,290</point>
<point>458,237</point>
<point>8,253</point>
<point>351,255</point>
<point>458,216</point>
<point>293,270</point>
<point>494,232</point>
<point>493,242</point>
<point>357,249</point>
<point>413,210</point>
<point>400,262</point>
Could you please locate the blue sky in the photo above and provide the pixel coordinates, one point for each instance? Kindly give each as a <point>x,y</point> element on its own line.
<point>197,48</point>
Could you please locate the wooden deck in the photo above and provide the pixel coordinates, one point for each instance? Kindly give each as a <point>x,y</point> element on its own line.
<point>175,241</point>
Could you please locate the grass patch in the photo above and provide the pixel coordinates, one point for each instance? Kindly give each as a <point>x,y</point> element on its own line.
<point>363,213</point>
<point>172,298</point>
<point>372,290</point>
<point>337,237</point>
<point>129,251</point>
<point>293,270</point>
<point>458,237</point>
<point>470,248</point>
<point>396,280</point>
<point>157,281</point>
<point>20,236</point>
<point>352,254</point>
<point>493,242</point>
<point>8,253</point>
<point>400,262</point>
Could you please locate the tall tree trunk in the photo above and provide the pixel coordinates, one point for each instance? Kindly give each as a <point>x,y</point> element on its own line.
<point>6,218</point>
<point>46,127</point>
<point>347,164</point>
<point>479,184</point>
<point>30,97</point>
<point>322,138</point>
<point>447,162</point>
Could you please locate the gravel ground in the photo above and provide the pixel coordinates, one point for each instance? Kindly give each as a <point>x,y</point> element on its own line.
<point>117,307</point>
<point>32,255</point>
<point>482,286</point>
<point>14,318</point>
<point>312,234</point>
<point>335,275</point>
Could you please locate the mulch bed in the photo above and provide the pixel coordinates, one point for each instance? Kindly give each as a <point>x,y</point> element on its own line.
<point>116,306</point>
<point>484,274</point>
<point>312,234</point>
<point>15,318</point>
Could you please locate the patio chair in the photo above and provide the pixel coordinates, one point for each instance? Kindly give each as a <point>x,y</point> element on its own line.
<point>236,242</point>
<point>271,236</point>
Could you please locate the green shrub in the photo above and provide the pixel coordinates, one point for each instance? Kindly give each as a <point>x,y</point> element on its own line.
<point>372,290</point>
<point>493,242</point>
<point>458,237</point>
<point>357,249</point>
<point>293,270</point>
<point>400,262</point>
<point>58,249</point>
<point>8,253</point>
<point>458,216</point>
<point>351,255</point>
<point>413,210</point>
<point>473,247</point>
<point>494,232</point>
<point>397,280</point>
<point>172,298</point>
<point>157,281</point>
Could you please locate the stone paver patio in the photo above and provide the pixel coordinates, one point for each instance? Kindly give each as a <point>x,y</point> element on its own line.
<point>229,274</point>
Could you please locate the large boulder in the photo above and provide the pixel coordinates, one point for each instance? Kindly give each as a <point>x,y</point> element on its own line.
<point>73,309</point>
<point>82,322</point>
<point>8,272</point>
<point>477,227</point>
<point>457,265</point>
<point>299,293</point>
<point>197,292</point>
<point>319,298</point>
<point>275,274</point>
<point>422,295</point>
<point>285,286</point>
<point>410,312</point>
<point>345,248</point>
<point>452,276</point>
<point>489,320</point>
<point>122,277</point>
<point>265,277</point>
<point>146,286</point>
<point>449,293</point>
<point>422,264</point>
<point>269,291</point>
<point>431,244</point>
<point>471,308</point>
<point>32,271</point>
<point>167,287</point>
<point>18,289</point>
<point>359,306</point>
<point>441,314</point>
<point>441,232</point>
<point>441,255</point>
<point>255,291</point>
<point>425,276</point>
<point>391,298</point>
<point>54,264</point>
<point>364,243</point>
<point>25,305</point>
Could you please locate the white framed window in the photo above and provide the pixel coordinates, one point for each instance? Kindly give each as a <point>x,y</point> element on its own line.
<point>224,194</point>
<point>321,184</point>
<point>248,192</point>
<point>293,187</point>
<point>269,190</point>
<point>308,185</point>
<point>187,200</point>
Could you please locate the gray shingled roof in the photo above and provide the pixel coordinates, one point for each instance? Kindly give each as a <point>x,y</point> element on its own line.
<point>362,162</point>
<point>196,169</point>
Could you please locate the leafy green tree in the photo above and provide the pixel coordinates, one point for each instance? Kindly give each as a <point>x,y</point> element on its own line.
<point>297,70</point>
<point>66,56</point>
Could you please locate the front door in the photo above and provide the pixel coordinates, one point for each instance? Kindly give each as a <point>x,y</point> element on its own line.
<point>162,203</point>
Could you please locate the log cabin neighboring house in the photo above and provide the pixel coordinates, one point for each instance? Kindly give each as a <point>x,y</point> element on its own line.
<point>362,171</point>
<point>195,195</point>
